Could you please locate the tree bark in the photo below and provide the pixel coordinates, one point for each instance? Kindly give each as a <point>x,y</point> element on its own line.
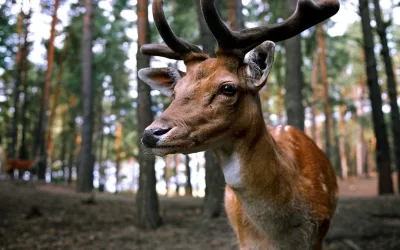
<point>342,142</point>
<point>23,154</point>
<point>361,145</point>
<point>17,84</point>
<point>215,186</point>
<point>294,77</point>
<point>85,170</point>
<point>167,172</point>
<point>327,106</point>
<point>54,102</point>
<point>177,162</point>
<point>383,160</point>
<point>391,86</point>
<point>235,8</point>
<point>188,186</point>
<point>148,214</point>
<point>40,141</point>
<point>215,180</point>
<point>64,137</point>
<point>118,135</point>
<point>314,99</point>
<point>239,15</point>
<point>101,147</point>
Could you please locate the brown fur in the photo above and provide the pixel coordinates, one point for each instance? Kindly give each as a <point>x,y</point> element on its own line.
<point>303,172</point>
<point>20,165</point>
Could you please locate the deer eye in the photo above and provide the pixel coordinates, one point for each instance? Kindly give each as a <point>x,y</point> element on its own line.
<point>228,90</point>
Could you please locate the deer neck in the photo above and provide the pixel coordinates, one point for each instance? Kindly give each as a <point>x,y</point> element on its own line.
<point>255,166</point>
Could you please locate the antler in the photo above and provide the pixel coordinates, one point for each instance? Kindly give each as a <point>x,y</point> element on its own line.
<point>174,47</point>
<point>307,14</point>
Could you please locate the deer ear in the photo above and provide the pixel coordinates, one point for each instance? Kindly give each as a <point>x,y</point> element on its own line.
<point>161,79</point>
<point>260,63</point>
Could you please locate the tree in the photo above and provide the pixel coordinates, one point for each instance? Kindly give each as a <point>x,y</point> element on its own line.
<point>40,142</point>
<point>56,94</point>
<point>391,85</point>
<point>25,64</point>
<point>342,138</point>
<point>294,77</point>
<point>327,104</point>
<point>17,84</point>
<point>215,180</point>
<point>188,185</point>
<point>118,134</point>
<point>314,98</point>
<point>383,160</point>
<point>235,14</point>
<point>147,204</point>
<point>85,170</point>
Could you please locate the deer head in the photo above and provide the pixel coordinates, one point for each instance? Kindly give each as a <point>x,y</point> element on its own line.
<point>216,101</point>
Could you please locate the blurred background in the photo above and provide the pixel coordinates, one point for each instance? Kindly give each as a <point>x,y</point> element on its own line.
<point>72,112</point>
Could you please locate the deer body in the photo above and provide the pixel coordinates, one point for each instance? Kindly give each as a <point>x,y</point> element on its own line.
<point>283,197</point>
<point>281,190</point>
<point>21,165</point>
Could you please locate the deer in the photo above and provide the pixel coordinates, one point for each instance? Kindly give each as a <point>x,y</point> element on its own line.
<point>21,165</point>
<point>281,190</point>
<point>10,164</point>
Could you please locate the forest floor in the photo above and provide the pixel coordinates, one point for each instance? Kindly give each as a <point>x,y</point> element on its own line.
<point>39,216</point>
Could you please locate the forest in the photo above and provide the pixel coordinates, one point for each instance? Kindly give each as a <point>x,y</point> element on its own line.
<point>74,173</point>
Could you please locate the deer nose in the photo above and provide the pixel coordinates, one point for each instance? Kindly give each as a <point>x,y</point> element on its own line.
<point>152,136</point>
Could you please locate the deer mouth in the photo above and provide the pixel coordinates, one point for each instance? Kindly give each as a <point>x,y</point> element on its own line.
<point>166,141</point>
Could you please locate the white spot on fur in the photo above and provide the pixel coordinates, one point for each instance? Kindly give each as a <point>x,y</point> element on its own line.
<point>324,188</point>
<point>231,169</point>
<point>307,181</point>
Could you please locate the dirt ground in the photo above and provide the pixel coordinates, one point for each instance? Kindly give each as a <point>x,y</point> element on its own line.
<point>34,216</point>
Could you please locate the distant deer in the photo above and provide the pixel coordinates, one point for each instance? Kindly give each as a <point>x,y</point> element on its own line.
<point>281,189</point>
<point>11,164</point>
<point>21,165</point>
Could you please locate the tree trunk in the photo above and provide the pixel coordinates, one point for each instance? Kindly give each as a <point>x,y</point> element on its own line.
<point>383,160</point>
<point>327,106</point>
<point>40,135</point>
<point>294,77</point>
<point>101,147</point>
<point>148,214</point>
<point>177,162</point>
<point>215,186</point>
<point>391,86</point>
<point>235,8</point>
<point>361,145</point>
<point>342,142</point>
<point>23,154</point>
<point>85,170</point>
<point>40,139</point>
<point>280,79</point>
<point>188,186</point>
<point>71,149</point>
<point>314,99</point>
<point>64,137</point>
<point>54,102</point>
<point>17,84</point>
<point>167,172</point>
<point>118,135</point>
<point>239,15</point>
<point>215,181</point>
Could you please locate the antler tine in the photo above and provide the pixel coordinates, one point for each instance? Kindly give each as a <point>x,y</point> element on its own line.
<point>175,47</point>
<point>160,49</point>
<point>307,14</point>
